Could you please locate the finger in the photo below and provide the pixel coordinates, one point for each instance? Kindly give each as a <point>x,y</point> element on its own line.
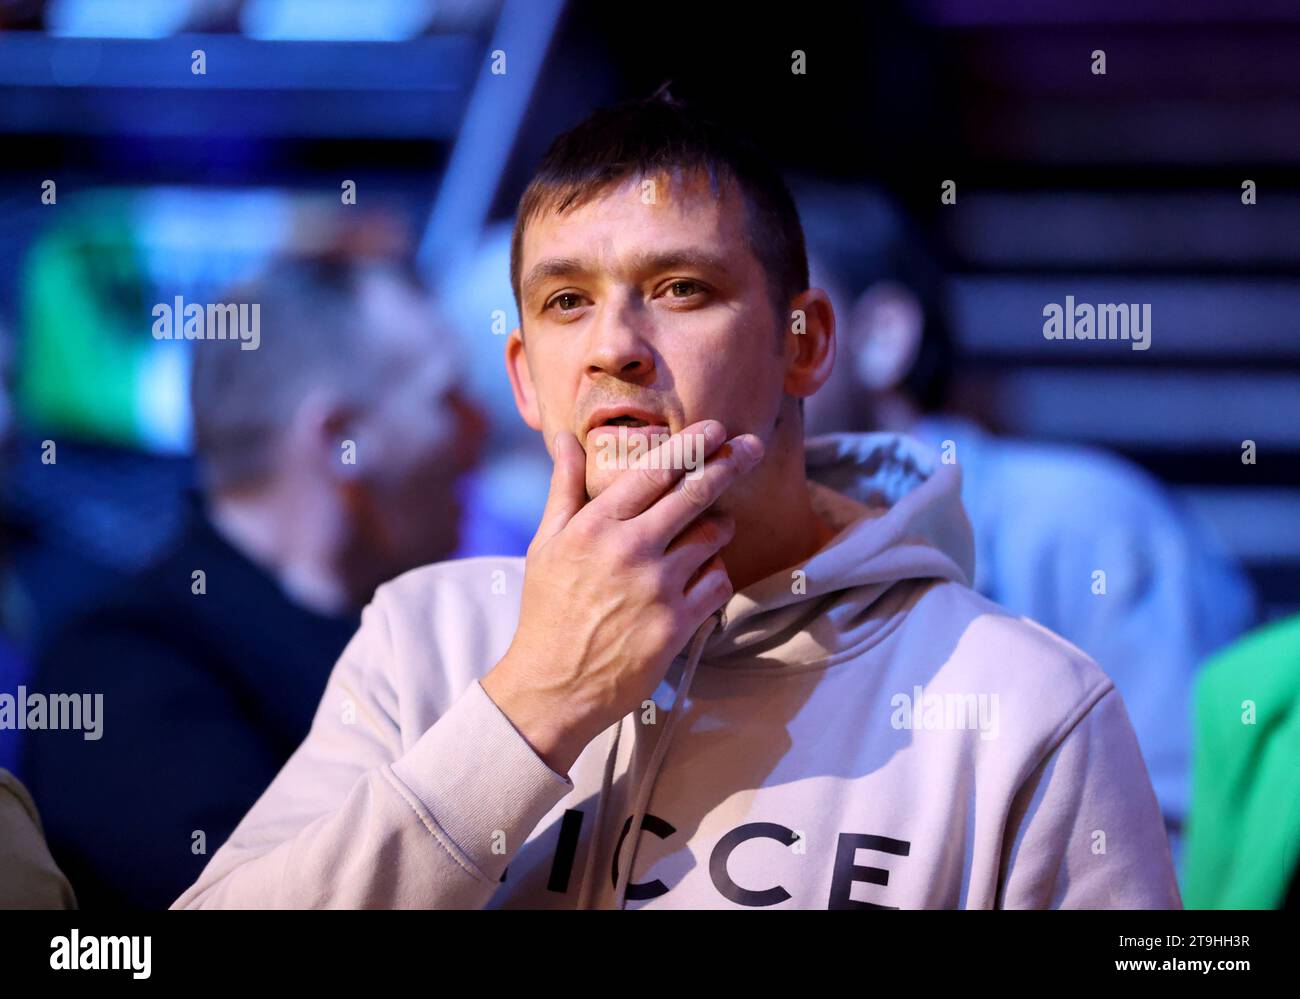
<point>708,591</point>
<point>699,543</point>
<point>635,489</point>
<point>568,487</point>
<point>700,489</point>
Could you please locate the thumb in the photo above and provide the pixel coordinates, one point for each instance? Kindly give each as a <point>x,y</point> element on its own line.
<point>568,486</point>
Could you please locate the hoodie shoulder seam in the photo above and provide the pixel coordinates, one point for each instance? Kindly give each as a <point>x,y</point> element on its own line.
<point>1073,719</point>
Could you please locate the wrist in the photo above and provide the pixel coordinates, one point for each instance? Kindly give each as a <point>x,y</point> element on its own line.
<point>546,726</point>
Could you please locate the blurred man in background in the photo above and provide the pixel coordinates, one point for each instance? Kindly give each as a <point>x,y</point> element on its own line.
<point>1045,516</point>
<point>331,457</point>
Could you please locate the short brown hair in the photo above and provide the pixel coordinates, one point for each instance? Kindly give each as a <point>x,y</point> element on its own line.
<point>658,134</point>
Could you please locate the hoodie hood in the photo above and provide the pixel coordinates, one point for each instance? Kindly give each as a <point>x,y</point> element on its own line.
<point>897,516</point>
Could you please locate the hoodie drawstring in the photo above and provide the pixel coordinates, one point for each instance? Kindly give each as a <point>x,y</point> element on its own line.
<point>584,896</point>
<point>647,782</point>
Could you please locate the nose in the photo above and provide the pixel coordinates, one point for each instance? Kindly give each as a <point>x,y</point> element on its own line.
<point>617,346</point>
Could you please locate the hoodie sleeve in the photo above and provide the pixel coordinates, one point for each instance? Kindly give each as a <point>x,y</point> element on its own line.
<point>1085,831</point>
<point>352,821</point>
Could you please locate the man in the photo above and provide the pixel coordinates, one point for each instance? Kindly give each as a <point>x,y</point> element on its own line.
<point>750,638</point>
<point>330,459</point>
<point>1171,597</point>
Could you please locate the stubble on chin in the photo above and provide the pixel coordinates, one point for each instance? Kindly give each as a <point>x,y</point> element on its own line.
<point>598,480</point>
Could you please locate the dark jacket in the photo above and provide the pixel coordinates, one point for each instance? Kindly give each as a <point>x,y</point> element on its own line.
<point>205,696</point>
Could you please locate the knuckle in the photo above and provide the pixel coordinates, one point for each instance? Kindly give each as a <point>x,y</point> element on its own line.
<point>583,530</point>
<point>653,478</point>
<point>696,492</point>
<point>637,541</point>
<point>661,583</point>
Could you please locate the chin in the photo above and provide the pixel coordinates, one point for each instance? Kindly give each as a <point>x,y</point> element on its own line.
<point>600,479</point>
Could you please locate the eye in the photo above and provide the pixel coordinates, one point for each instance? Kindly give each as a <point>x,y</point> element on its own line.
<point>566,300</point>
<point>684,288</point>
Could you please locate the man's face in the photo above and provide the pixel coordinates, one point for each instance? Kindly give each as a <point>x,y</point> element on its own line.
<point>645,305</point>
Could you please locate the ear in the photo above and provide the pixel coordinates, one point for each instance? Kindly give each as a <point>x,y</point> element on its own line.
<point>521,379</point>
<point>809,343</point>
<point>315,434</point>
<point>886,327</point>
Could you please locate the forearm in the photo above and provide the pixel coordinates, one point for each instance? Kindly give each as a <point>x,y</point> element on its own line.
<point>436,828</point>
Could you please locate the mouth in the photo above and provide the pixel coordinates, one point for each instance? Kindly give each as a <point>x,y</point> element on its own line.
<point>624,423</point>
<point>615,418</point>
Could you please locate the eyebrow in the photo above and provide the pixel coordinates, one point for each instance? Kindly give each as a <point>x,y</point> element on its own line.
<point>641,263</point>
<point>551,268</point>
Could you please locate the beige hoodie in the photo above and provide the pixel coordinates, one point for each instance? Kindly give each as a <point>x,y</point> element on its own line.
<point>860,731</point>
